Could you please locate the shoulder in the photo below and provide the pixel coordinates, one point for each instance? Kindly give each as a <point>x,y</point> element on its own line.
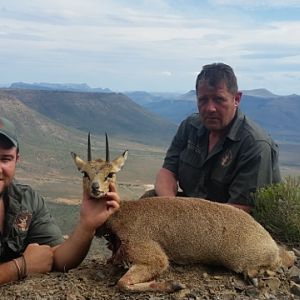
<point>25,194</point>
<point>255,130</point>
<point>18,189</point>
<point>192,121</point>
<point>253,133</point>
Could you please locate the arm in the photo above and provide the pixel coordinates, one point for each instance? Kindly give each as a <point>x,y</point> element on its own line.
<point>38,259</point>
<point>93,214</point>
<point>8,272</point>
<point>166,183</point>
<point>166,178</point>
<point>257,167</point>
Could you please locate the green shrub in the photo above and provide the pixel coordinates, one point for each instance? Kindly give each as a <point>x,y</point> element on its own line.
<point>277,208</point>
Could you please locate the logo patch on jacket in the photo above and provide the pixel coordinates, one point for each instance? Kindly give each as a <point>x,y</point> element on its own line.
<point>226,159</point>
<point>23,220</point>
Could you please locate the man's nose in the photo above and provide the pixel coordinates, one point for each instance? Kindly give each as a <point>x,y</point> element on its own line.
<point>211,105</point>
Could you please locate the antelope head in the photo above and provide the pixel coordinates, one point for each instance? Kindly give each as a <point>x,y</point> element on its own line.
<point>98,174</point>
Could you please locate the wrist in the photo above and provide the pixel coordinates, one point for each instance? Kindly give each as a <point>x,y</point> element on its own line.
<point>86,227</point>
<point>21,267</point>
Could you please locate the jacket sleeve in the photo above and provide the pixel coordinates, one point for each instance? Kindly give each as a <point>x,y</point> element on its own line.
<point>179,141</point>
<point>257,167</point>
<point>43,228</point>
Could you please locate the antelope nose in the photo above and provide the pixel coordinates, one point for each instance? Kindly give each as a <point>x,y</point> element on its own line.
<point>95,186</point>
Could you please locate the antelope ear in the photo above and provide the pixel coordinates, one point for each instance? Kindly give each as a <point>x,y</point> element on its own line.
<point>119,162</point>
<point>78,161</point>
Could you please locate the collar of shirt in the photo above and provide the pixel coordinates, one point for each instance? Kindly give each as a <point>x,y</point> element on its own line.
<point>234,131</point>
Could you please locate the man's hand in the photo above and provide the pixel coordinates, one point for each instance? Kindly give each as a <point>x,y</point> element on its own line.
<point>94,212</point>
<point>39,258</point>
<point>166,183</point>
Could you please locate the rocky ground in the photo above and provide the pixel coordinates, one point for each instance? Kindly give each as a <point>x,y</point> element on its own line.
<point>94,279</point>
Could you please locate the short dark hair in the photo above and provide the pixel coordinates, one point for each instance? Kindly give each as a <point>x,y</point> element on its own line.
<point>215,73</point>
<point>7,143</point>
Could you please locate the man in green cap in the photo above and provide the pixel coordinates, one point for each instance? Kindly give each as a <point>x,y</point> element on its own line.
<point>219,154</point>
<point>30,240</point>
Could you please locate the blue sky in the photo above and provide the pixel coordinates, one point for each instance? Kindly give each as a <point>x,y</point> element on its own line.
<point>153,45</point>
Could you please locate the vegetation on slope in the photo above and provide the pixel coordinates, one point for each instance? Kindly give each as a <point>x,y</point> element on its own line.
<point>277,208</point>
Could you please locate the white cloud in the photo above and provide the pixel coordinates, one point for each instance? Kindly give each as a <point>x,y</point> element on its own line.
<point>259,3</point>
<point>125,45</point>
<point>166,73</point>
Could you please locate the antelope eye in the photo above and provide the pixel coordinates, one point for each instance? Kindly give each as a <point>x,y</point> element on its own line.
<point>110,175</point>
<point>85,174</point>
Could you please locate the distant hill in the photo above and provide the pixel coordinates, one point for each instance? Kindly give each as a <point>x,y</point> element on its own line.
<point>143,98</point>
<point>82,87</point>
<point>171,106</point>
<point>189,96</point>
<point>173,110</point>
<point>262,93</point>
<point>98,112</point>
<point>279,115</point>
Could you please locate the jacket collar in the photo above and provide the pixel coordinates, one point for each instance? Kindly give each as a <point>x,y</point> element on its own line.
<point>234,131</point>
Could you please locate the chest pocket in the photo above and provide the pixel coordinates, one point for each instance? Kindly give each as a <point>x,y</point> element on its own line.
<point>220,177</point>
<point>222,168</point>
<point>16,238</point>
<point>190,171</point>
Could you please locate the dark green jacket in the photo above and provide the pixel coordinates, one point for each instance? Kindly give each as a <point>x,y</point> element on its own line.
<point>245,159</point>
<point>27,220</point>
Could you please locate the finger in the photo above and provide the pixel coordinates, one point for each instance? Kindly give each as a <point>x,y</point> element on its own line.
<point>46,246</point>
<point>112,196</point>
<point>112,187</point>
<point>34,244</point>
<point>112,204</point>
<point>85,195</point>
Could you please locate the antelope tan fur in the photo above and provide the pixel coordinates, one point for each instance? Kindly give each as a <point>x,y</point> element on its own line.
<point>147,234</point>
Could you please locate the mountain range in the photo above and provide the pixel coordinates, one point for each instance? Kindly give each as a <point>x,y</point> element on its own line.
<point>148,117</point>
<point>98,113</point>
<point>81,87</point>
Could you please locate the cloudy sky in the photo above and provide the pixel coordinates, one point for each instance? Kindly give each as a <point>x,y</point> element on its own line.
<point>150,45</point>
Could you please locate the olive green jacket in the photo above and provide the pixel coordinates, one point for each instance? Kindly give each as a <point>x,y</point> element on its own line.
<point>245,159</point>
<point>27,220</point>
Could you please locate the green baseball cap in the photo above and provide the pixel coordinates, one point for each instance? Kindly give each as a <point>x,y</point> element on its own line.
<point>8,129</point>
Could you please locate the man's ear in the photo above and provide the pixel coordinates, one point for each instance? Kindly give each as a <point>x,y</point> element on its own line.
<point>237,98</point>
<point>17,157</point>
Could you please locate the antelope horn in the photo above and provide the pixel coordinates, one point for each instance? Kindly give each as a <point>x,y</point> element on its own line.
<point>89,152</point>
<point>107,148</point>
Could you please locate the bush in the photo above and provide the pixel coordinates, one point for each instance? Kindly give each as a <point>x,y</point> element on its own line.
<point>277,208</point>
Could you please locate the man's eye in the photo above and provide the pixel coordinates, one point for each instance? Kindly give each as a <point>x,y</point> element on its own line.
<point>202,101</point>
<point>6,159</point>
<point>219,99</point>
